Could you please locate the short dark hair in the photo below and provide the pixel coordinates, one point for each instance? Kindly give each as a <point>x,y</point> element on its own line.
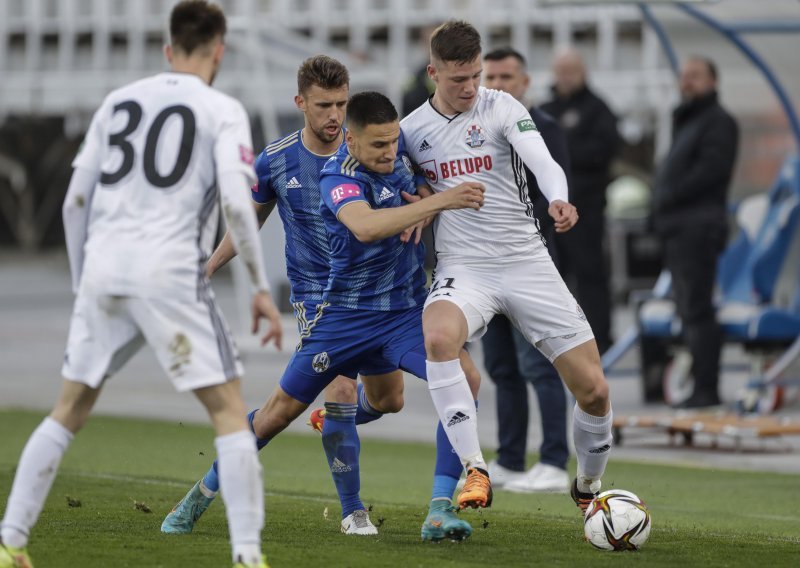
<point>710,65</point>
<point>369,107</point>
<point>456,41</point>
<point>503,52</point>
<point>322,71</point>
<point>195,23</point>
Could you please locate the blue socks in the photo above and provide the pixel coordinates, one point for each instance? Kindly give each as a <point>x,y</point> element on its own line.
<point>365,412</point>
<point>448,466</point>
<point>342,446</point>
<point>211,478</point>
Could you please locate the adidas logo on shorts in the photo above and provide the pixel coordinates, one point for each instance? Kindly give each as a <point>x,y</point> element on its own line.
<point>338,466</point>
<point>457,418</point>
<point>293,184</point>
<point>424,146</point>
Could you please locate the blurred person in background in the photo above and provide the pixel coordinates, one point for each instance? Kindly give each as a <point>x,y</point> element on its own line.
<point>593,142</point>
<point>690,216</point>
<point>511,361</point>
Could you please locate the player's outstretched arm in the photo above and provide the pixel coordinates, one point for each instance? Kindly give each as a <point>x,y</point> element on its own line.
<point>243,230</point>
<point>226,251</point>
<point>370,225</point>
<point>75,214</point>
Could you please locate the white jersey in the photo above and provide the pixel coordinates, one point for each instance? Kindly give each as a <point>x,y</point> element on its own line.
<point>158,146</point>
<point>479,145</point>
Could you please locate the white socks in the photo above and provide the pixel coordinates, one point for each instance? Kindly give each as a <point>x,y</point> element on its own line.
<point>37,469</point>
<point>456,408</point>
<point>242,491</point>
<point>592,437</point>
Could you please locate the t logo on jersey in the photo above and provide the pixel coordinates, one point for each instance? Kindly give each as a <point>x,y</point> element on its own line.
<point>526,124</point>
<point>429,169</point>
<point>344,191</point>
<point>475,137</point>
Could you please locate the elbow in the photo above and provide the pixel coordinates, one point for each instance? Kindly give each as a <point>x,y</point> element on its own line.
<point>365,235</point>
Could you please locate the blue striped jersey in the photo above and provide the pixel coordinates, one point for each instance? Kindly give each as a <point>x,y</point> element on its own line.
<point>383,275</point>
<point>289,172</point>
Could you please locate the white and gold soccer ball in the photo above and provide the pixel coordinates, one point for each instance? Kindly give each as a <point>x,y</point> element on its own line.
<point>617,520</point>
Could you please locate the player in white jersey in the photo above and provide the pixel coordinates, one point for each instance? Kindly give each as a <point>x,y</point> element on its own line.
<point>140,217</point>
<point>494,260</point>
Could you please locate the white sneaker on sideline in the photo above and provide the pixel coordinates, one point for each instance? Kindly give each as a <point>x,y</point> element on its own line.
<point>358,522</point>
<point>541,478</point>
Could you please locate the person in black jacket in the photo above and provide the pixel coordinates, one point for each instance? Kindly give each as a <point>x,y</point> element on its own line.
<point>593,141</point>
<point>689,215</point>
<point>509,359</point>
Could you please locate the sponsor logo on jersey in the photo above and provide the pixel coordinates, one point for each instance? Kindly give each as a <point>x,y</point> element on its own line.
<point>385,194</point>
<point>407,164</point>
<point>246,155</point>
<point>344,191</point>
<point>424,146</point>
<point>464,166</point>
<point>457,418</point>
<point>429,169</point>
<point>293,184</point>
<point>475,137</point>
<point>321,362</point>
<point>338,466</point>
<point>526,124</point>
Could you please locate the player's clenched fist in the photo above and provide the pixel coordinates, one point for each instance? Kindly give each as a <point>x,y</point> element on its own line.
<point>564,214</point>
<point>467,195</point>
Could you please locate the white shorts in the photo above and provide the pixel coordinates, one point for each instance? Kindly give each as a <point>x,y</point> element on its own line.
<point>190,338</point>
<point>529,291</point>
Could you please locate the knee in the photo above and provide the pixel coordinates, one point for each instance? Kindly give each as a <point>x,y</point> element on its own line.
<point>342,390</point>
<point>390,403</point>
<point>441,344</point>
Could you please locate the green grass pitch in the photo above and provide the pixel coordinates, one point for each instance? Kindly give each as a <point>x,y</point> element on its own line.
<point>701,517</point>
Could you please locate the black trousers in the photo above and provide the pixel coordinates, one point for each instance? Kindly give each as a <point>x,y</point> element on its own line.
<point>691,256</point>
<point>583,263</point>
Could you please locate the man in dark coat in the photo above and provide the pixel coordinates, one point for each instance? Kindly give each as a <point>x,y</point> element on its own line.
<point>592,141</point>
<point>689,215</point>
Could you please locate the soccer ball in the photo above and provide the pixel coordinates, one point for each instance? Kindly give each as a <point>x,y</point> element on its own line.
<point>617,520</point>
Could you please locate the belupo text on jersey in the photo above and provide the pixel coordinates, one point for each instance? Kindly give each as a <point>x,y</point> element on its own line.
<point>457,167</point>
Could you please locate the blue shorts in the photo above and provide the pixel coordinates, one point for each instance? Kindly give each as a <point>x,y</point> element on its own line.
<point>343,341</point>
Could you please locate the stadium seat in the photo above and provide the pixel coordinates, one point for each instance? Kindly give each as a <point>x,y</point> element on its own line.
<point>758,301</point>
<point>759,273</point>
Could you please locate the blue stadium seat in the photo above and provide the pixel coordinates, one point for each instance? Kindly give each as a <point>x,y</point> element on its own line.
<point>759,273</point>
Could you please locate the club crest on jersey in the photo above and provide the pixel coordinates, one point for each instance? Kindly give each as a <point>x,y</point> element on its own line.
<point>429,169</point>
<point>407,164</point>
<point>321,362</point>
<point>475,137</point>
